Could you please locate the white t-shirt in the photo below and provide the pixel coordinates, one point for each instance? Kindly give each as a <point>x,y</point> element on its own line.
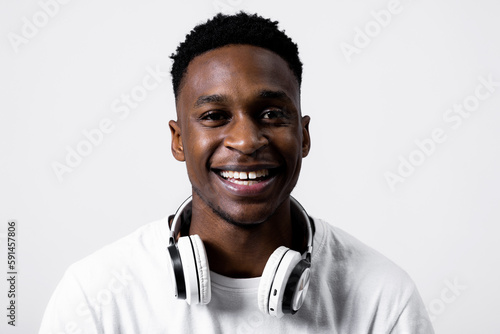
<point>125,288</point>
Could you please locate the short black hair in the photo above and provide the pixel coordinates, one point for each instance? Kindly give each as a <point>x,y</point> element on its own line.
<point>241,28</point>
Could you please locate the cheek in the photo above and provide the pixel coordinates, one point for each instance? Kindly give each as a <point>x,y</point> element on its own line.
<point>290,147</point>
<point>289,143</point>
<point>200,146</point>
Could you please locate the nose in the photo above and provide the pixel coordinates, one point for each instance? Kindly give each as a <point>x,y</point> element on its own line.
<point>245,136</point>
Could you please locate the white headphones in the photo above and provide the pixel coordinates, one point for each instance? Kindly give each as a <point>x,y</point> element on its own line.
<point>283,284</point>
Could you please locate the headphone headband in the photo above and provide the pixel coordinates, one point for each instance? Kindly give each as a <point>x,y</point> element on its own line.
<point>310,238</point>
<point>176,225</point>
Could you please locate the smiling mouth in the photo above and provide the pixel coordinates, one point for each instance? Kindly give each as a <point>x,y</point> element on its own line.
<point>246,178</point>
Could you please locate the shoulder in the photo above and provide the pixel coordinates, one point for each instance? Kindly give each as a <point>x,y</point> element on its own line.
<point>347,251</point>
<point>359,271</point>
<point>375,290</point>
<point>120,262</point>
<point>95,289</point>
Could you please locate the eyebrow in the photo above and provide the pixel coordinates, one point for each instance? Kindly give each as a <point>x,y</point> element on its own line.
<point>274,94</point>
<point>263,94</point>
<point>215,98</point>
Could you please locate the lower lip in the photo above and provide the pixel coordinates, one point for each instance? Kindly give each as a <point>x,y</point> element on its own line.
<point>246,190</point>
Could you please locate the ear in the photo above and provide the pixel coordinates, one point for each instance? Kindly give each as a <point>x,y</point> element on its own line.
<point>306,138</point>
<point>177,147</point>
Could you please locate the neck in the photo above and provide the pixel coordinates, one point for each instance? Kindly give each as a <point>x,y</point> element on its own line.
<point>240,250</point>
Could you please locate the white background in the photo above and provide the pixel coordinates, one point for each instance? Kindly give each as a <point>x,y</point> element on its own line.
<point>440,224</point>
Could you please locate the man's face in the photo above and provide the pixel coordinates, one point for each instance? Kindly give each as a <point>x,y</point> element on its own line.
<point>240,131</point>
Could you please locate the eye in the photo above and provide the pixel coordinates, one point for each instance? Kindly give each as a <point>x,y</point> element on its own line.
<point>274,115</point>
<point>214,118</point>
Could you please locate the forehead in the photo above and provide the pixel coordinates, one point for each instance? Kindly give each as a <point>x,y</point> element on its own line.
<point>237,71</point>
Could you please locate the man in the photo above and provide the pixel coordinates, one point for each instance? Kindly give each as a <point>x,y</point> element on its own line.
<point>241,255</point>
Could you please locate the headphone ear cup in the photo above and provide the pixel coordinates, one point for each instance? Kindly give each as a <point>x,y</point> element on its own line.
<point>176,272</point>
<point>186,251</point>
<point>266,281</point>
<point>296,287</point>
<point>202,268</point>
<point>274,282</point>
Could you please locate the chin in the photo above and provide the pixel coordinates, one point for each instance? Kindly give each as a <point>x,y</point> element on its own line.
<point>247,214</point>
<point>241,218</point>
<point>242,212</point>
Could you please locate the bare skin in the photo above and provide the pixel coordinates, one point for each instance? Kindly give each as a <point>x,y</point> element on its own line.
<point>239,111</point>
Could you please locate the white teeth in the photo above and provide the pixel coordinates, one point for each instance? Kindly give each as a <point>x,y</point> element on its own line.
<point>245,183</point>
<point>235,176</point>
